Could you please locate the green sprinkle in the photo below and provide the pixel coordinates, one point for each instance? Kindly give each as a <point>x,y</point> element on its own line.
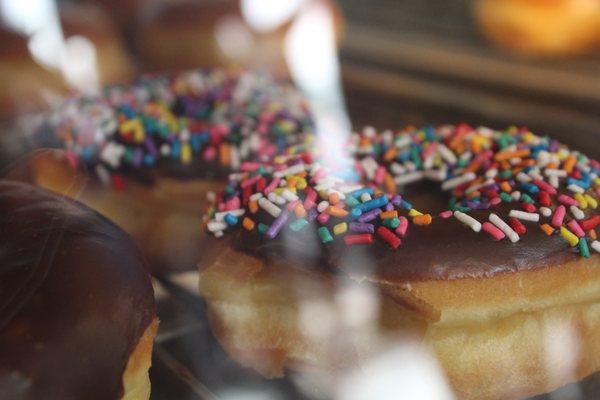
<point>506,174</point>
<point>583,248</point>
<point>298,224</point>
<point>391,222</point>
<point>507,198</point>
<point>325,235</point>
<point>351,201</point>
<point>526,198</point>
<point>262,228</point>
<point>229,190</point>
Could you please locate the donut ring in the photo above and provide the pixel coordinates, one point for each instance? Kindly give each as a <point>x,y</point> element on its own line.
<point>74,293</point>
<point>512,256</point>
<point>155,149</point>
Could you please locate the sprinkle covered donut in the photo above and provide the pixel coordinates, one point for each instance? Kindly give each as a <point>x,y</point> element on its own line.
<point>483,239</point>
<point>147,154</point>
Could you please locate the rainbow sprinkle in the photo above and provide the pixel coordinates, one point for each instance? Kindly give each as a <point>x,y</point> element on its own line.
<point>540,180</point>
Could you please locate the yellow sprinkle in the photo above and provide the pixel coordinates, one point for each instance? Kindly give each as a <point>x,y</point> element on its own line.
<point>597,182</point>
<point>592,202</point>
<point>301,184</point>
<point>583,204</point>
<point>413,212</point>
<point>340,228</point>
<point>569,236</point>
<point>186,153</point>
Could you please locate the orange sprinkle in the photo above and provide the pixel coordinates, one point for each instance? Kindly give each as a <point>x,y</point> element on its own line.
<point>552,165</point>
<point>569,164</point>
<point>292,181</point>
<point>592,234</point>
<point>300,211</point>
<point>253,206</point>
<point>548,230</point>
<point>248,223</point>
<point>507,155</point>
<point>224,154</point>
<point>474,166</point>
<point>334,198</point>
<point>336,211</point>
<point>389,183</point>
<point>389,214</point>
<point>424,219</point>
<point>505,186</point>
<point>390,154</point>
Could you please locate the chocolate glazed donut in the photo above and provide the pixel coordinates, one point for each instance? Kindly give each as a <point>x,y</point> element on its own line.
<point>77,313</point>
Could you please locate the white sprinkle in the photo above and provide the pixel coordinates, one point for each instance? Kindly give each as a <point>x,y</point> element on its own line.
<point>410,166</point>
<point>234,157</point>
<point>269,207</point>
<point>218,234</point>
<point>397,169</point>
<point>165,150</point>
<point>561,173</point>
<point>577,213</point>
<point>214,226</point>
<point>473,188</point>
<point>409,178</point>
<point>454,182</point>
<point>575,188</point>
<point>526,216</point>
<point>491,173</point>
<point>236,213</point>
<point>211,196</point>
<point>365,197</point>
<point>466,156</point>
<point>103,174</point>
<point>289,195</point>
<point>369,165</point>
<point>255,196</point>
<point>428,164</point>
<point>437,175</point>
<point>349,188</point>
<point>275,198</point>
<point>553,180</point>
<point>543,158</point>
<point>546,212</point>
<point>446,154</point>
<point>596,245</point>
<point>322,206</point>
<point>503,226</point>
<point>403,141</point>
<point>516,195</point>
<point>535,175</point>
<point>468,220</point>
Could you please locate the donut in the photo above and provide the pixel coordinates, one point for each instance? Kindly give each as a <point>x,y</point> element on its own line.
<point>476,246</point>
<point>174,35</point>
<point>541,27</point>
<point>27,86</point>
<point>77,313</point>
<point>90,25</point>
<point>147,155</point>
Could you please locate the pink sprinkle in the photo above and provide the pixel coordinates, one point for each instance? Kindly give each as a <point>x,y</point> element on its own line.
<point>72,159</point>
<point>486,155</point>
<point>249,166</point>
<point>250,181</point>
<point>598,191</point>
<point>401,229</point>
<point>233,203</point>
<point>559,216</point>
<point>293,205</point>
<point>429,150</point>
<point>575,228</point>
<point>445,214</point>
<point>323,218</point>
<point>318,175</point>
<point>563,198</point>
<point>311,196</point>
<point>495,201</point>
<point>210,153</point>
<point>544,186</point>
<point>272,185</point>
<point>494,232</point>
<point>379,175</point>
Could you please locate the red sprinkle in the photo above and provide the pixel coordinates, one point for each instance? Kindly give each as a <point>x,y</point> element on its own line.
<point>528,207</point>
<point>544,186</point>
<point>517,225</point>
<point>575,228</point>
<point>389,237</point>
<point>544,199</point>
<point>590,223</point>
<point>360,238</point>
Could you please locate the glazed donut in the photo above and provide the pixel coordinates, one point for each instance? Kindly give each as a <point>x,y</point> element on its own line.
<point>174,35</point>
<point>77,314</point>
<point>154,150</point>
<point>541,27</point>
<point>482,243</point>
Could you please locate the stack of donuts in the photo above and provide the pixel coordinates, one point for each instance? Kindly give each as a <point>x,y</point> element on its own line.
<point>475,245</point>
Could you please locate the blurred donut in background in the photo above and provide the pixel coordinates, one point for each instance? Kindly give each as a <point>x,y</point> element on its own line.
<point>541,27</point>
<point>252,33</point>
<point>26,85</point>
<point>89,28</point>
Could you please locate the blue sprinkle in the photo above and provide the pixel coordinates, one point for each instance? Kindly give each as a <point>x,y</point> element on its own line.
<point>176,149</point>
<point>360,192</point>
<point>230,219</point>
<point>406,205</point>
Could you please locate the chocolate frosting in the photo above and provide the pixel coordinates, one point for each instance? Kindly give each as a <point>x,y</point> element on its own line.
<point>445,249</point>
<point>74,298</point>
